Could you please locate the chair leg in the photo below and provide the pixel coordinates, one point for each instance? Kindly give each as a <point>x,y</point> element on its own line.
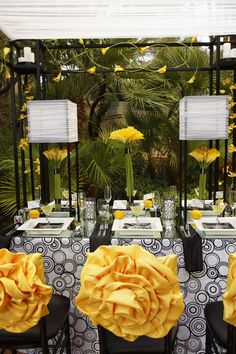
<point>209,342</point>
<point>67,336</point>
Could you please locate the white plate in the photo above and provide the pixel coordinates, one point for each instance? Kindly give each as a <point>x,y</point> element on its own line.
<point>156,227</point>
<point>122,204</point>
<point>30,226</point>
<point>212,220</point>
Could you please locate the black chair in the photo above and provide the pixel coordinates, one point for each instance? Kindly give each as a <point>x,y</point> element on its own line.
<point>111,344</point>
<point>219,334</point>
<point>54,325</point>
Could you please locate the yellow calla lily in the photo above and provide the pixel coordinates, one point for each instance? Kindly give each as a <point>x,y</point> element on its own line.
<point>232,116</point>
<point>205,156</point>
<point>92,70</point>
<point>55,154</point>
<point>232,174</point>
<point>104,50</point>
<point>142,50</point>
<point>193,39</point>
<point>191,81</point>
<point>57,78</point>
<point>6,51</point>
<point>118,68</point>
<point>162,70</point>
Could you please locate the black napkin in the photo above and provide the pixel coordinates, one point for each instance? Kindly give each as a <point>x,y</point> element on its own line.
<point>101,235</point>
<point>192,250</point>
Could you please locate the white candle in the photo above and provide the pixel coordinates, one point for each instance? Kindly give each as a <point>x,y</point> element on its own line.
<point>226,50</point>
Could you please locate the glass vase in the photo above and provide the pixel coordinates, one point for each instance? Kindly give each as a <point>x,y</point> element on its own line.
<point>202,186</point>
<point>129,175</point>
<point>57,189</point>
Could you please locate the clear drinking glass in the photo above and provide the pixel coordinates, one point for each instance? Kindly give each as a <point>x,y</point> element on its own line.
<point>107,194</point>
<point>232,200</point>
<point>218,210</point>
<point>47,209</point>
<point>136,210</point>
<point>156,201</point>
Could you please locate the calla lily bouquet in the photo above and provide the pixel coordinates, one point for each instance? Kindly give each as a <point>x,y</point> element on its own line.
<point>205,157</point>
<point>57,156</point>
<point>128,136</point>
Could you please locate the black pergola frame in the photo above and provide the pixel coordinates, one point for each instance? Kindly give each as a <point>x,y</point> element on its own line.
<point>37,69</point>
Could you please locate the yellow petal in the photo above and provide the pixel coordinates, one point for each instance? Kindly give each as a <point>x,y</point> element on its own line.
<point>142,50</point>
<point>57,78</point>
<point>193,39</point>
<point>7,73</point>
<point>232,148</point>
<point>162,70</point>
<point>231,104</point>
<point>29,98</point>
<point>118,68</point>
<point>23,143</point>
<point>232,115</point>
<point>191,81</point>
<point>233,87</point>
<point>232,174</point>
<point>24,107</point>
<point>6,51</point>
<point>91,70</point>
<point>81,41</point>
<point>104,50</point>
<point>23,116</point>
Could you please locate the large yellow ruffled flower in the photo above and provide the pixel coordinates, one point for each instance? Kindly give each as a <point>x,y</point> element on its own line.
<point>230,293</point>
<point>130,292</point>
<point>126,135</point>
<point>23,294</point>
<point>205,156</point>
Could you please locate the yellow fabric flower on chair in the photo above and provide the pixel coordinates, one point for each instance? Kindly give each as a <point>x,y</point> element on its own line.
<point>230,293</point>
<point>130,292</point>
<point>23,294</point>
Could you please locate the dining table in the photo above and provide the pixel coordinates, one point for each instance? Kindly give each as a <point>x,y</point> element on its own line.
<point>64,258</point>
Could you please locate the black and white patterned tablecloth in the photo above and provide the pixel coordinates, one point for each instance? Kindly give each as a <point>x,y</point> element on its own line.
<point>64,259</point>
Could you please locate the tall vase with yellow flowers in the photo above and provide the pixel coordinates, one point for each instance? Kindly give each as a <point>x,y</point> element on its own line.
<point>57,156</point>
<point>205,157</point>
<point>128,136</point>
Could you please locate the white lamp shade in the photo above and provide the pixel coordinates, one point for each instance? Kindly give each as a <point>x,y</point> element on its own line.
<point>52,121</point>
<point>203,117</point>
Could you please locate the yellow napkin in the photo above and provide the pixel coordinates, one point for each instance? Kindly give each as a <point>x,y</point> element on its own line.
<point>230,293</point>
<point>23,294</point>
<point>130,292</point>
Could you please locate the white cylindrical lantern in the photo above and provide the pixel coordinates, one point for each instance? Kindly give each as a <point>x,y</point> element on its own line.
<point>203,117</point>
<point>52,121</point>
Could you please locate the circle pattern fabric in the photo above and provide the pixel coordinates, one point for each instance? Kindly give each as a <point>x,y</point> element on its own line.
<point>64,259</point>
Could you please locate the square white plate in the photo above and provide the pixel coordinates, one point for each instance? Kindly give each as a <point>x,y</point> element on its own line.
<point>212,220</point>
<point>155,230</point>
<point>30,226</point>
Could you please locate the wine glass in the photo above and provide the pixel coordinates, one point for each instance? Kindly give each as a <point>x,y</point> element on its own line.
<point>218,209</point>
<point>232,200</point>
<point>156,200</point>
<point>47,209</point>
<point>136,210</point>
<point>107,194</point>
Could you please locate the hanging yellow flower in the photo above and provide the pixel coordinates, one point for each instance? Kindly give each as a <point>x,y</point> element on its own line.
<point>232,174</point>
<point>92,70</point>
<point>27,88</point>
<point>81,41</point>
<point>118,68</point>
<point>37,170</point>
<point>22,116</point>
<point>57,78</point>
<point>232,116</point>
<point>191,81</point>
<point>24,107</point>
<point>162,70</point>
<point>29,98</point>
<point>7,73</point>
<point>104,50</point>
<point>24,143</point>
<point>231,127</point>
<point>27,171</point>
<point>232,104</point>
<point>232,148</point>
<point>142,50</point>
<point>6,51</point>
